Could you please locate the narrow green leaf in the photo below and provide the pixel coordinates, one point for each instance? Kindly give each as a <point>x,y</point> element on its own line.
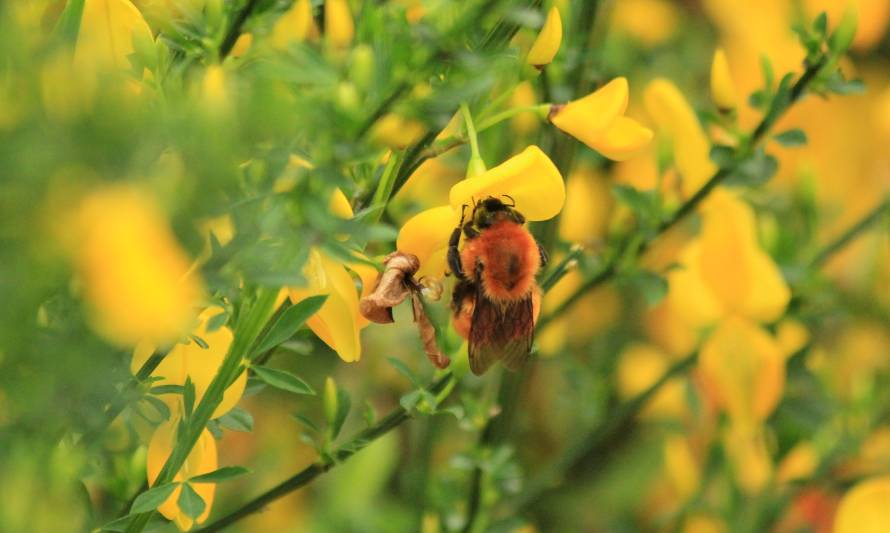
<point>289,322</point>
<point>152,498</point>
<point>200,342</point>
<point>119,524</point>
<point>791,138</point>
<point>217,321</point>
<point>167,389</point>
<point>190,502</point>
<point>283,380</point>
<point>68,26</point>
<point>344,403</point>
<point>305,421</point>
<point>370,414</point>
<point>820,24</point>
<point>409,401</point>
<point>404,370</point>
<point>188,396</point>
<point>722,156</point>
<point>159,406</point>
<point>237,420</point>
<point>220,474</point>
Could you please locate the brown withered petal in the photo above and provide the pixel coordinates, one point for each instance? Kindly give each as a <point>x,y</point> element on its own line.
<point>391,289</point>
<point>427,334</point>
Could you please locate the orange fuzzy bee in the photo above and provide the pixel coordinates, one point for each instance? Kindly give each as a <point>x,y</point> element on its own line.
<point>496,299</point>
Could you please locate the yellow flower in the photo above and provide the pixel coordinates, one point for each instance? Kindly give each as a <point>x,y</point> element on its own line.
<point>132,268</point>
<point>725,271</point>
<point>201,460</point>
<point>751,462</point>
<point>524,123</point>
<point>681,466</point>
<point>547,44</point>
<point>799,463</point>
<point>339,28</point>
<point>675,118</point>
<point>395,131</point>
<point>742,369</point>
<point>530,178</point>
<point>295,26</point>
<point>864,508</point>
<point>722,87</point>
<point>198,364</point>
<point>108,29</point>
<point>242,45</point>
<point>651,22</point>
<point>339,321</point>
<point>639,367</point>
<point>598,121</point>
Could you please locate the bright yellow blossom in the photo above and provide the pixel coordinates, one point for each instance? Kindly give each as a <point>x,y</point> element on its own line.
<point>529,178</point>
<point>188,360</point>
<point>675,118</point>
<point>598,121</point>
<point>132,268</point>
<point>547,44</point>
<point>201,460</point>
<point>339,27</point>
<point>108,29</point>
<point>294,26</point>
<point>864,508</point>
<point>722,87</point>
<point>651,22</point>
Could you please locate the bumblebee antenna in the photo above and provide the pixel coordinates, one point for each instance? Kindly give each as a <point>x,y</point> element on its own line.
<point>509,198</point>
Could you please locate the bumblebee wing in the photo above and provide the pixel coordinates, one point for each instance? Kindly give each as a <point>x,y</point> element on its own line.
<point>500,331</point>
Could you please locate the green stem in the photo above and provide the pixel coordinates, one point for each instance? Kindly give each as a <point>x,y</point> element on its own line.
<point>235,30</point>
<point>538,109</point>
<point>863,224</point>
<point>246,334</point>
<point>302,478</point>
<point>477,165</point>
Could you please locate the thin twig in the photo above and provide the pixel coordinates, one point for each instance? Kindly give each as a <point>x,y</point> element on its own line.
<point>302,478</point>
<point>235,29</point>
<point>863,224</point>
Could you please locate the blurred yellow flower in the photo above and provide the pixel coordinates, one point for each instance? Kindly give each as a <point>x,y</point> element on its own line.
<point>294,26</point>
<point>588,207</point>
<point>725,271</point>
<point>864,508</point>
<point>676,119</point>
<point>800,462</point>
<point>639,367</point>
<point>547,43</point>
<point>751,462</point>
<point>339,321</point>
<point>596,310</point>
<point>339,27</point>
<point>200,365</point>
<point>682,467</point>
<point>108,29</point>
<point>529,178</point>
<point>598,121</point>
<point>651,22</point>
<point>395,131</point>
<point>132,267</point>
<point>242,45</point>
<point>722,87</point>
<point>703,523</point>
<point>523,97</point>
<point>742,369</point>
<point>201,460</point>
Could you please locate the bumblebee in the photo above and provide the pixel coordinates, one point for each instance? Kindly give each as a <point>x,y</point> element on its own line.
<point>496,299</point>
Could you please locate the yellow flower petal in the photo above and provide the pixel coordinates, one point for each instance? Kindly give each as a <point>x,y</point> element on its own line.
<point>639,367</point>
<point>743,369</point>
<point>339,27</point>
<point>132,268</point>
<point>681,467</point>
<point>242,45</point>
<point>722,87</point>
<point>107,31</point>
<point>397,132</point>
<point>624,139</point>
<point>336,323</point>
<point>530,178</point>
<point>675,117</point>
<point>864,508</point>
<point>295,26</point>
<point>589,118</point>
<point>650,21</point>
<point>339,205</point>
<point>751,462</point>
<point>688,294</point>
<point>588,207</point>
<point>426,236</point>
<point>201,460</point>
<point>547,44</point>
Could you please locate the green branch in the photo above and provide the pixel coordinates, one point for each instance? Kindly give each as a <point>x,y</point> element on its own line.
<point>863,224</point>
<point>302,478</point>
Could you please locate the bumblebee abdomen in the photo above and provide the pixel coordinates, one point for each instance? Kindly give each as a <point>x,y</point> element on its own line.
<point>509,259</point>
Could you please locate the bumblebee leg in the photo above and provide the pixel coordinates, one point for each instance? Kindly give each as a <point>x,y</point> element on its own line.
<point>454,254</point>
<point>544,257</point>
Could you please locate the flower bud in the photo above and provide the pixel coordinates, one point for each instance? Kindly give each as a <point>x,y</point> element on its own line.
<point>547,44</point>
<point>339,27</point>
<point>722,86</point>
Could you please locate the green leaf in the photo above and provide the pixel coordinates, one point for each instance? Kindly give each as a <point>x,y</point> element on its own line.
<point>158,406</point>
<point>200,342</point>
<point>722,156</point>
<point>220,474</point>
<point>404,370</point>
<point>645,204</point>
<point>343,405</point>
<point>759,99</point>
<point>653,287</point>
<point>188,396</point>
<point>820,24</point>
<point>842,37</point>
<point>237,420</point>
<point>370,414</point>
<point>283,380</point>
<point>305,421</point>
<point>769,76</point>
<point>190,502</point>
<point>289,322</point>
<point>791,138</point>
<point>152,498</point>
<point>754,171</point>
<point>119,524</point>
<point>217,321</point>
<point>68,26</point>
<point>408,401</point>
